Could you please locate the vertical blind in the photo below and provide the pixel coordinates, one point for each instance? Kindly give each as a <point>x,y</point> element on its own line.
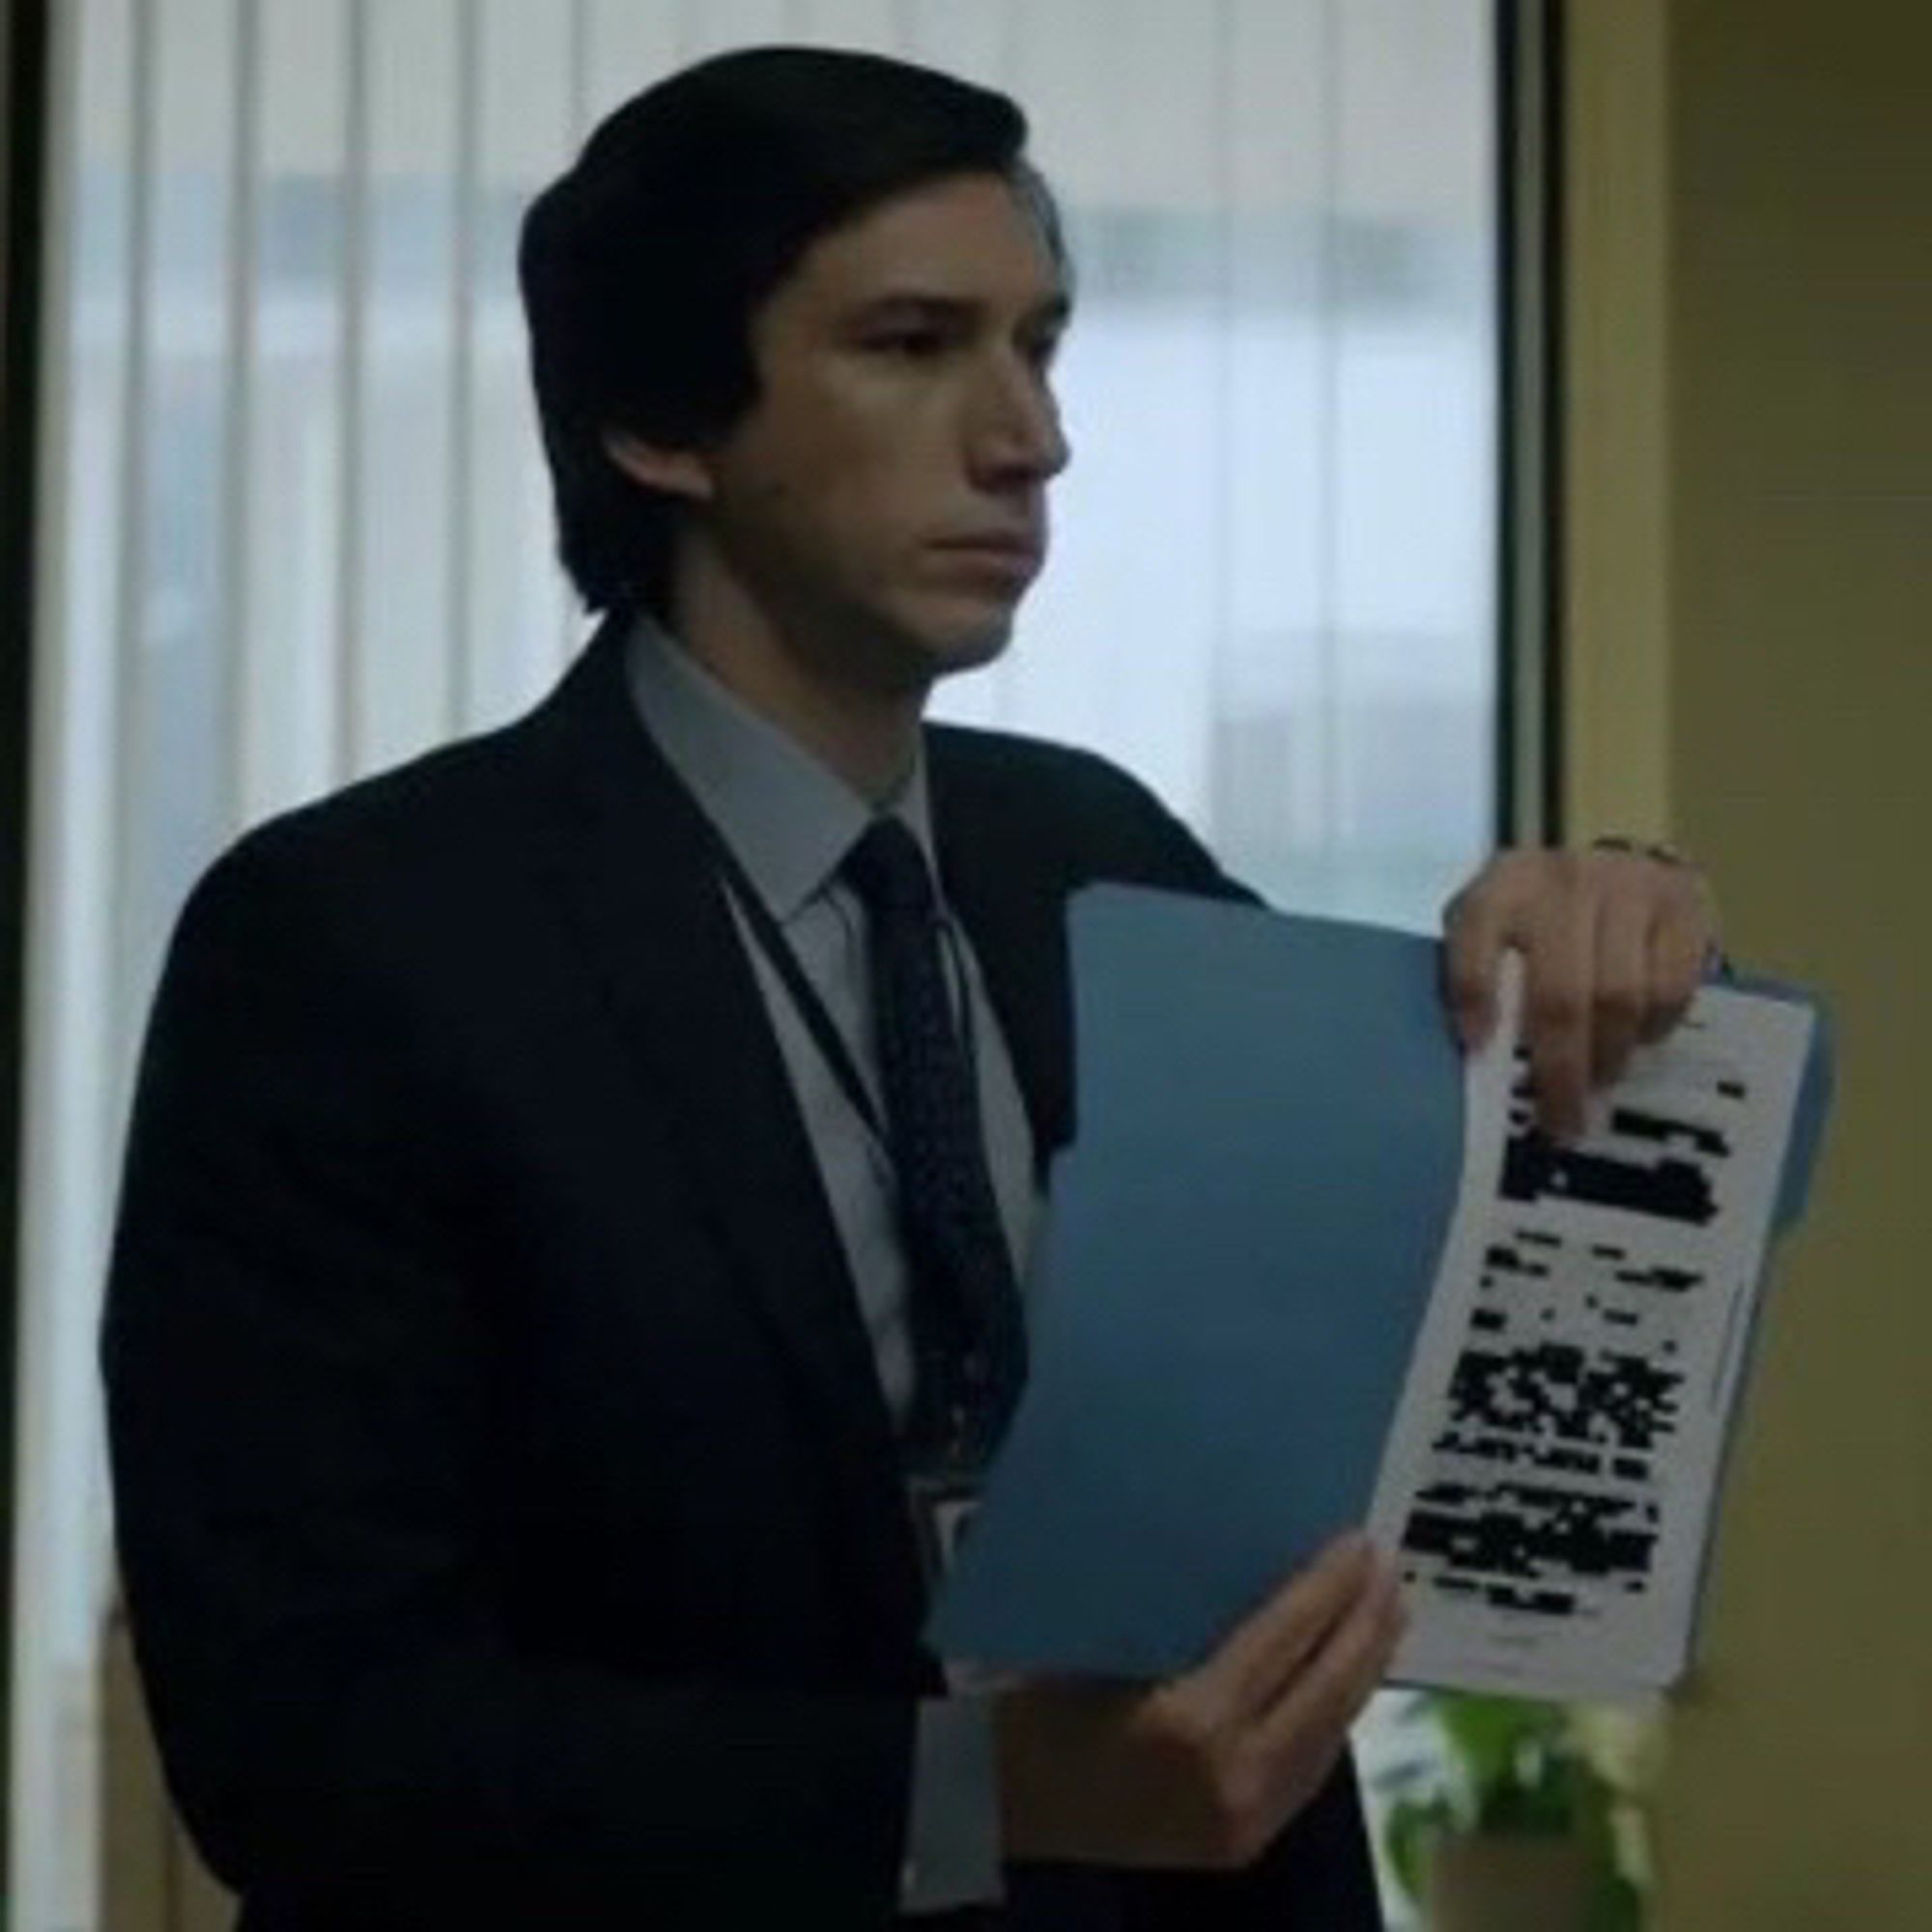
<point>300,527</point>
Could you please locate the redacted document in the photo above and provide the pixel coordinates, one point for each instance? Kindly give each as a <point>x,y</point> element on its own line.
<point>1551,1474</point>
<point>1307,1267</point>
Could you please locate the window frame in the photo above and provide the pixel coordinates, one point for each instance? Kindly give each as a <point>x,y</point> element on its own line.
<point>24,85</point>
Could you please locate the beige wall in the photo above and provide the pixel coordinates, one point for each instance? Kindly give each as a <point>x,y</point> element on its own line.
<point>1751,620</point>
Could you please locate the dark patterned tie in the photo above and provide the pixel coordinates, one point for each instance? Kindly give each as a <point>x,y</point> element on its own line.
<point>968,1328</point>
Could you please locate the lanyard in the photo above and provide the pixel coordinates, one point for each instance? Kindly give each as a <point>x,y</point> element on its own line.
<point>942,1498</point>
<point>811,1007</point>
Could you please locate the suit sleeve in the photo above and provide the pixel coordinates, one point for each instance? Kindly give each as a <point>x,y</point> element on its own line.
<point>1142,841</point>
<point>297,1377</point>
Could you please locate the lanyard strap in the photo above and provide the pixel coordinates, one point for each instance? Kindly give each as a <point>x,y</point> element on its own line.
<point>953,1457</point>
<point>811,1007</point>
<point>805,998</point>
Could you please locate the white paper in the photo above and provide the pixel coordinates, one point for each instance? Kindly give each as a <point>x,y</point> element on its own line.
<point>1550,1478</point>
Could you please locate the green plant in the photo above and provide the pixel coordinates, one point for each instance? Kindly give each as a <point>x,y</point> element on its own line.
<point>1516,1768</point>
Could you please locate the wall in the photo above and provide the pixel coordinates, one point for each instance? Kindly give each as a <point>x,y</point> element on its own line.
<point>1751,517</point>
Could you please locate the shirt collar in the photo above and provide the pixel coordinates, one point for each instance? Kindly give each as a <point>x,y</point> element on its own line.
<point>788,818</point>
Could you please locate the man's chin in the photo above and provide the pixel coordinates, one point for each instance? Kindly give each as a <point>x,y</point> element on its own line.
<point>973,651</point>
<point>912,653</point>
<point>966,642</point>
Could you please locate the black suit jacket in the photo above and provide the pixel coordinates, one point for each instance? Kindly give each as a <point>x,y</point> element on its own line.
<point>506,1502</point>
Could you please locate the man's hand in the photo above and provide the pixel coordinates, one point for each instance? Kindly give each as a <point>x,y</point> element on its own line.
<point>1202,1771</point>
<point>1613,947</point>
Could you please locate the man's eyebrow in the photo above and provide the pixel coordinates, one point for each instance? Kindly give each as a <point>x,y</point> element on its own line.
<point>931,304</point>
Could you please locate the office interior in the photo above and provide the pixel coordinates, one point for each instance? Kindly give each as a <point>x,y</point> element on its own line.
<point>1735,544</point>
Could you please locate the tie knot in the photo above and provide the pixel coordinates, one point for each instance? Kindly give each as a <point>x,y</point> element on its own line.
<point>889,871</point>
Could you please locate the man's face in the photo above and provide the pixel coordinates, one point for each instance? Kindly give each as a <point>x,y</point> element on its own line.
<point>884,500</point>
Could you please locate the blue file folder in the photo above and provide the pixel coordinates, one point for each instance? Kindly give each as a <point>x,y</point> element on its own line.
<point>1239,1251</point>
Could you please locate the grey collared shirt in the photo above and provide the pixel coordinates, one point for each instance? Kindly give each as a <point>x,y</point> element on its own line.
<point>789,822</point>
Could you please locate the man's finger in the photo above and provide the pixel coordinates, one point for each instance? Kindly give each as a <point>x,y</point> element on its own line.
<point>1557,988</point>
<point>1620,1000</point>
<point>1473,949</point>
<point>1246,1674</point>
<point>1327,1696</point>
<point>1677,948</point>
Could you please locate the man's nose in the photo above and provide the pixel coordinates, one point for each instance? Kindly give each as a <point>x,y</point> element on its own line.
<point>1016,429</point>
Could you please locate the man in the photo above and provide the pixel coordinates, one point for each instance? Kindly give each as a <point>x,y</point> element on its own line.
<point>580,1183</point>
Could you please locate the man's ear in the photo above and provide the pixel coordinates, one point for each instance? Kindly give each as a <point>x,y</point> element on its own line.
<point>678,473</point>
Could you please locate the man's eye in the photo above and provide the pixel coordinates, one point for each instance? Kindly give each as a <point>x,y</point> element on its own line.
<point>917,344</point>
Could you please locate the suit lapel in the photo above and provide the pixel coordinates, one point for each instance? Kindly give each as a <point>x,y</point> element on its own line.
<point>637,869</point>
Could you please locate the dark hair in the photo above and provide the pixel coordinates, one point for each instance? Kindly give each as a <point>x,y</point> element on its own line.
<point>643,264</point>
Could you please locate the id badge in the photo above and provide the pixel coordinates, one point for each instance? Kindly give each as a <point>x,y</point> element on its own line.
<point>943,1508</point>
